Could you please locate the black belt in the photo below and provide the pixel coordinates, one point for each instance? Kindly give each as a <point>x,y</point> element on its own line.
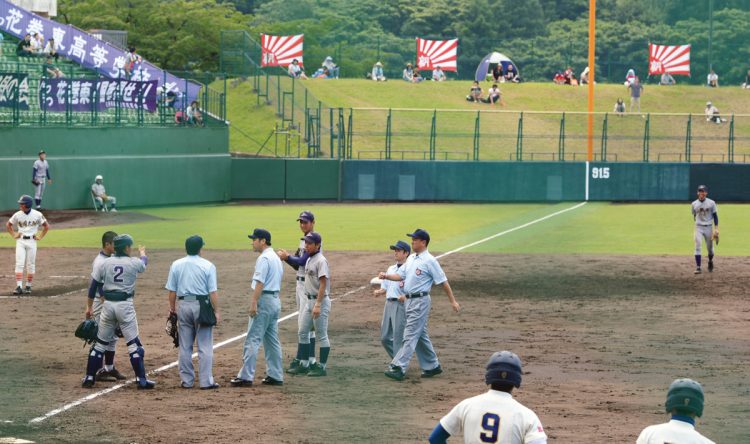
<point>269,292</point>
<point>117,296</point>
<point>314,296</point>
<point>417,295</point>
<point>301,278</point>
<point>392,299</point>
<point>193,297</point>
<point>27,237</point>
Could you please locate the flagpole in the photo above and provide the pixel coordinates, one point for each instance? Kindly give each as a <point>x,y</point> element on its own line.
<point>592,77</point>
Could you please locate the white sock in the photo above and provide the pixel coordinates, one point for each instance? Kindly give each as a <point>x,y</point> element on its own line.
<point>312,360</point>
<point>109,367</point>
<point>19,283</point>
<point>304,363</point>
<point>323,365</point>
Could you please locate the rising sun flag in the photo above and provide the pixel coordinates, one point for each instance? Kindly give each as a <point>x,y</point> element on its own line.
<point>433,53</point>
<point>668,59</point>
<point>280,50</point>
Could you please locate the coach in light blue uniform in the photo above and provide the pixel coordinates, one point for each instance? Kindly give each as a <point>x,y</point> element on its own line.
<point>265,308</point>
<point>419,273</point>
<point>192,280</point>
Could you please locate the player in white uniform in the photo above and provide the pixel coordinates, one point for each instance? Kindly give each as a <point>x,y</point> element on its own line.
<point>684,403</point>
<point>24,226</point>
<point>394,314</point>
<point>101,197</point>
<point>706,218</point>
<point>117,276</point>
<point>493,416</point>
<point>40,178</point>
<point>306,224</point>
<point>94,304</point>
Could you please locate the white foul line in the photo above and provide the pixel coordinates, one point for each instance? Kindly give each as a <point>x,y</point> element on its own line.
<point>289,316</point>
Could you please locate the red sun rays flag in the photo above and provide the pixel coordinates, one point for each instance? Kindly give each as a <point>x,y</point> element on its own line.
<point>280,50</point>
<point>434,53</point>
<point>668,59</point>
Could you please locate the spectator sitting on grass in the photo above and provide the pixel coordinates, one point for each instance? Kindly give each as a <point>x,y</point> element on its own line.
<point>511,75</point>
<point>24,47</point>
<point>408,74</point>
<point>50,70</point>
<point>438,75</point>
<point>475,95</point>
<point>377,74</point>
<point>667,79</point>
<point>712,114</point>
<point>194,116</point>
<point>584,77</point>
<point>558,79</point>
<point>333,70</point>
<point>746,83</point>
<point>494,96</point>
<point>497,73</point>
<point>619,107</point>
<point>296,71</point>
<point>712,80</point>
<point>569,76</point>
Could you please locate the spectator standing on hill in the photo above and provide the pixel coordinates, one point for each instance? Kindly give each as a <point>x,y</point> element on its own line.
<point>667,79</point>
<point>475,95</point>
<point>377,74</point>
<point>712,80</point>
<point>24,47</point>
<point>636,89</point>
<point>51,49</point>
<point>438,75</point>
<point>630,77</point>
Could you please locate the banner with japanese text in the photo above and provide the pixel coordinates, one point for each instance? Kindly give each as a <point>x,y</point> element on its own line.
<point>90,52</point>
<point>85,95</point>
<point>14,89</point>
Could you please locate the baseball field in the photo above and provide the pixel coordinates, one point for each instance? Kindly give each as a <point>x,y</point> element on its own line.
<point>599,300</point>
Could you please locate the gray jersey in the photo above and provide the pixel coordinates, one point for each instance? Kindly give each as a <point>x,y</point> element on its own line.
<point>98,189</point>
<point>40,169</point>
<point>317,267</point>
<point>98,262</point>
<point>299,253</point>
<point>703,212</point>
<point>118,273</point>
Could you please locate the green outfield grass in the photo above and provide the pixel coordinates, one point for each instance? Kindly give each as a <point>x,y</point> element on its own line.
<point>596,228</point>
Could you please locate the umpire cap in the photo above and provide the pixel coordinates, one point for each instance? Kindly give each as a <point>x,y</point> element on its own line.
<point>420,234</point>
<point>504,367</point>
<point>26,201</point>
<point>122,241</point>
<point>260,233</point>
<point>401,245</point>
<point>685,396</point>
<point>193,245</point>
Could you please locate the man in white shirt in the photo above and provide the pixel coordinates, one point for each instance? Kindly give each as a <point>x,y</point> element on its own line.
<point>684,403</point>
<point>100,195</point>
<point>438,75</point>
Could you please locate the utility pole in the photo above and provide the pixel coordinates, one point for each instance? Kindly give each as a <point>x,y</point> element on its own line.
<point>710,33</point>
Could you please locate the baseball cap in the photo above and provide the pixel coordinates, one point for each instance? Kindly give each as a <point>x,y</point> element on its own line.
<point>313,238</point>
<point>193,244</point>
<point>260,233</point>
<point>401,245</point>
<point>42,152</point>
<point>708,103</point>
<point>98,177</point>
<point>420,234</point>
<point>306,216</point>
<point>702,188</point>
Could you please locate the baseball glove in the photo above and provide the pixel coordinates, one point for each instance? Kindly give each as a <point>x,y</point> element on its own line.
<point>35,182</point>
<point>171,329</point>
<point>715,237</point>
<point>87,331</point>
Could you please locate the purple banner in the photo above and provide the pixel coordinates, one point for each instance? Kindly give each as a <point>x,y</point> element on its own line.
<point>91,53</point>
<point>85,95</point>
<point>14,86</point>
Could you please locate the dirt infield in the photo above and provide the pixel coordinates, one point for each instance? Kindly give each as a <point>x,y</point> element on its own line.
<point>600,338</point>
<point>86,218</point>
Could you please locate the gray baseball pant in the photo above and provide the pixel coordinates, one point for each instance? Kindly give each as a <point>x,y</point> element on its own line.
<point>191,331</point>
<point>416,338</point>
<point>392,326</point>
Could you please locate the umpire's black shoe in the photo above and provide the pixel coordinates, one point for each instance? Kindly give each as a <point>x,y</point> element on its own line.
<point>710,266</point>
<point>430,373</point>
<point>87,383</point>
<point>271,381</point>
<point>239,382</point>
<point>213,386</point>
<point>18,290</point>
<point>146,384</point>
<point>395,373</point>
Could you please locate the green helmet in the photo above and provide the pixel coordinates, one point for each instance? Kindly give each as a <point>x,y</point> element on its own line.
<point>121,242</point>
<point>685,396</point>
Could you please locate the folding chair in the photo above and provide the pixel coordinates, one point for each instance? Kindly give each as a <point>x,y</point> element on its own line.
<point>96,206</point>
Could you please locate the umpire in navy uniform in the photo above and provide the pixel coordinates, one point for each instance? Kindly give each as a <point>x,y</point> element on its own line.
<point>192,280</point>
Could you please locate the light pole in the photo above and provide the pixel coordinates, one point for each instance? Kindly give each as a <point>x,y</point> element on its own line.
<point>710,33</point>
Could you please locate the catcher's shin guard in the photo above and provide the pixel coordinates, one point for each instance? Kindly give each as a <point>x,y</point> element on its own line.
<point>95,362</point>
<point>136,352</point>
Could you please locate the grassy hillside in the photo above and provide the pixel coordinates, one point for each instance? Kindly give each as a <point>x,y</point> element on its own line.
<point>499,125</point>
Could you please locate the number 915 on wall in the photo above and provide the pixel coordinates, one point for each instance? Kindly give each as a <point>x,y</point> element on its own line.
<point>600,173</point>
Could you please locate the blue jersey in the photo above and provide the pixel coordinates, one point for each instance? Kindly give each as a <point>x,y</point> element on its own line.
<point>420,272</point>
<point>192,276</point>
<point>268,271</point>
<point>393,289</point>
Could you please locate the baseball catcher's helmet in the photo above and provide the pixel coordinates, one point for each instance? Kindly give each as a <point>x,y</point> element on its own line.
<point>504,367</point>
<point>87,331</point>
<point>685,396</point>
<point>122,241</point>
<point>26,200</point>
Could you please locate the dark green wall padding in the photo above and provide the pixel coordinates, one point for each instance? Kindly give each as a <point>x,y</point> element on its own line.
<point>294,179</point>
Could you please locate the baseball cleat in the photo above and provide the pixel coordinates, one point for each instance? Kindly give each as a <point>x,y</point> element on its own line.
<point>697,270</point>
<point>239,382</point>
<point>104,375</point>
<point>87,383</point>
<point>316,370</point>
<point>146,384</point>
<point>113,210</point>
<point>430,373</point>
<point>211,387</point>
<point>27,290</point>
<point>271,381</point>
<point>116,373</point>
<point>710,266</point>
<point>18,290</point>
<point>294,364</point>
<point>299,370</point>
<point>395,373</point>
